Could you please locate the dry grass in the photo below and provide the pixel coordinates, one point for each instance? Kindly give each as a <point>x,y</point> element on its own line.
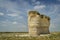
<point>12,36</point>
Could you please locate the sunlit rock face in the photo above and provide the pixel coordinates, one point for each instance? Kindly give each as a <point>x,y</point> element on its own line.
<point>37,23</point>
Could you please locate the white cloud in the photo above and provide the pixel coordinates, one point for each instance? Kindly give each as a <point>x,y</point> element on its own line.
<point>39,6</point>
<point>36,2</point>
<point>13,15</point>
<point>1,14</point>
<point>13,26</point>
<point>14,22</point>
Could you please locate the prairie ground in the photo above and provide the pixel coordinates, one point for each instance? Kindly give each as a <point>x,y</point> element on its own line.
<point>19,36</point>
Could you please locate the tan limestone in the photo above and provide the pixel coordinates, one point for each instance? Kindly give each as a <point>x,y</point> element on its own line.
<point>38,23</point>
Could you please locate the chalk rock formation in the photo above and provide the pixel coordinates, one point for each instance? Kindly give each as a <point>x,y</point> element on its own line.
<point>37,23</point>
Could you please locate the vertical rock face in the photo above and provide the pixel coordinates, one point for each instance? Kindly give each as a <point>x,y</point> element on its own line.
<point>37,23</point>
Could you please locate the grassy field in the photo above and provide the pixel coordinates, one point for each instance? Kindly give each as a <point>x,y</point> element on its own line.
<point>15,36</point>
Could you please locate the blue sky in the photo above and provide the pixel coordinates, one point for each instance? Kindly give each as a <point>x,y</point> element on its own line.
<point>13,14</point>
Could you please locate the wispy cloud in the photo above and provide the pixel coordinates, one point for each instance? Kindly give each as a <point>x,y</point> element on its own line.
<point>39,7</point>
<point>14,22</point>
<point>1,14</point>
<point>13,15</point>
<point>37,3</point>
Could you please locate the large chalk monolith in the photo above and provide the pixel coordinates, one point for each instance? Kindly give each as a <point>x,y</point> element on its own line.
<point>38,23</point>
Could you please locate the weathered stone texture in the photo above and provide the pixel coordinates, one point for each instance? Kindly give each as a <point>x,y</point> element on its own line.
<point>38,23</point>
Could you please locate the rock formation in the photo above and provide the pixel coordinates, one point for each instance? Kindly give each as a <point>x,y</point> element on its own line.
<point>38,23</point>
